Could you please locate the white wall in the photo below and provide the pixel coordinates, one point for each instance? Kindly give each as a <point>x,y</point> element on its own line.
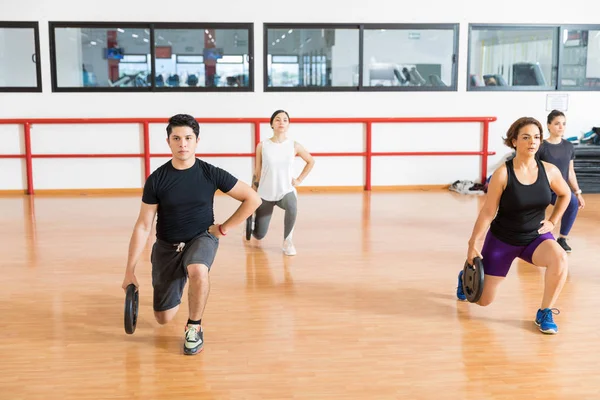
<point>506,106</point>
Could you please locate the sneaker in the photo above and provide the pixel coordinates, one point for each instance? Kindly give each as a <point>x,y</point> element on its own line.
<point>288,248</point>
<point>544,320</point>
<point>460,294</point>
<point>194,339</point>
<point>573,139</point>
<point>588,137</point>
<point>563,243</point>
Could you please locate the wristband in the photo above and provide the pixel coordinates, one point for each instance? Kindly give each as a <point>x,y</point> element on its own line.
<point>578,191</point>
<point>220,230</point>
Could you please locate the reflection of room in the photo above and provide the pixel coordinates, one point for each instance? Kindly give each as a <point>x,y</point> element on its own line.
<point>191,58</point>
<point>17,63</point>
<point>512,57</point>
<point>403,57</point>
<point>120,57</point>
<point>312,57</point>
<point>580,60</point>
<point>92,57</point>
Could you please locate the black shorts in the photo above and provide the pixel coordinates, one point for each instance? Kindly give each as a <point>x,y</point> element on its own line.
<point>169,267</point>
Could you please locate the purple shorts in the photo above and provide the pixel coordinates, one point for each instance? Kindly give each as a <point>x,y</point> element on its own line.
<point>498,256</point>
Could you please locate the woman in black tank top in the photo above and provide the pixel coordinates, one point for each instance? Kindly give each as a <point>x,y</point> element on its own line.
<point>522,207</point>
<point>518,195</point>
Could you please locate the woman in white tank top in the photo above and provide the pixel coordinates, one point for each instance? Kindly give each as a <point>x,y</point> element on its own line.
<point>274,179</point>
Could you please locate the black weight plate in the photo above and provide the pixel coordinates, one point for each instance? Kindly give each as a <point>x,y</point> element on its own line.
<point>249,227</point>
<point>473,280</point>
<point>131,308</point>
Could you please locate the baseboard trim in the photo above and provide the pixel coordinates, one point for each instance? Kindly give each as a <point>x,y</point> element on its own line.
<point>13,192</point>
<point>403,188</point>
<point>329,189</point>
<point>75,192</point>
<point>301,189</point>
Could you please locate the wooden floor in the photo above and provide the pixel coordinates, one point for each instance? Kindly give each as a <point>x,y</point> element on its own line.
<point>366,310</point>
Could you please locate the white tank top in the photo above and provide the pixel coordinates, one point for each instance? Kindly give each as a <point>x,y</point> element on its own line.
<point>277,169</point>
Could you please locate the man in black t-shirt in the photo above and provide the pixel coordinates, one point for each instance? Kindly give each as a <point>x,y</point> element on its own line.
<point>180,193</point>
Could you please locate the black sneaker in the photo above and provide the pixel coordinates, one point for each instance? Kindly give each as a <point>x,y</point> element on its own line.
<point>563,243</point>
<point>194,340</point>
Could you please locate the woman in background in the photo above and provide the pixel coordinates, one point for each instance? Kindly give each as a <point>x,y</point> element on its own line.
<point>561,153</point>
<point>274,180</point>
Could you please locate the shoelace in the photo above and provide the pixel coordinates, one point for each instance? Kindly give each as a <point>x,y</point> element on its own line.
<point>547,313</point>
<point>192,334</point>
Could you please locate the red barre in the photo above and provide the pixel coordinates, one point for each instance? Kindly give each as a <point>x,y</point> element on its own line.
<point>368,153</point>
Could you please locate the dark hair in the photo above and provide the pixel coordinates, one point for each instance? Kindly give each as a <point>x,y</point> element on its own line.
<point>513,131</point>
<point>275,114</point>
<point>553,114</point>
<point>183,120</point>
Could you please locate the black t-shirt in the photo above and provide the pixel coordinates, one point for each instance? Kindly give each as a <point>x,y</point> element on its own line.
<point>559,154</point>
<point>522,208</point>
<point>185,198</point>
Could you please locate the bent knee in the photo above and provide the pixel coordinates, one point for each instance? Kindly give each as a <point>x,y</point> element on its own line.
<point>563,258</point>
<point>561,261</point>
<point>259,236</point>
<point>163,317</point>
<point>485,302</point>
<point>197,271</point>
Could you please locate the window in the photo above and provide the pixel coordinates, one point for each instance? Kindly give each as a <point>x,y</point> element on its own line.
<point>311,57</point>
<point>410,57</point>
<point>513,57</point>
<point>151,57</point>
<point>203,57</point>
<point>19,57</point>
<point>369,57</point>
<point>580,58</point>
<point>100,57</point>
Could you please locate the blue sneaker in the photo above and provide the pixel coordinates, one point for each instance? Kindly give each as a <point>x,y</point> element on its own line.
<point>573,139</point>
<point>544,320</point>
<point>460,294</point>
<point>588,137</point>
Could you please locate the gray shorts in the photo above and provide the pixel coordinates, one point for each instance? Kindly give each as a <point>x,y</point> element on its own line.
<point>169,267</point>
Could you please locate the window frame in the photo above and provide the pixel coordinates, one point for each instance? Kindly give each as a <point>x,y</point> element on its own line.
<point>555,55</point>
<point>151,26</point>
<point>361,28</point>
<point>38,59</point>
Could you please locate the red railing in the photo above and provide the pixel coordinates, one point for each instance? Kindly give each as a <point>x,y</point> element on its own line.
<point>145,122</point>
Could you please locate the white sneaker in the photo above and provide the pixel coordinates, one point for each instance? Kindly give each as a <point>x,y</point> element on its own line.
<point>288,248</point>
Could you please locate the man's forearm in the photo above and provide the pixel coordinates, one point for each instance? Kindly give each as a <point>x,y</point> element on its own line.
<point>245,210</point>
<point>136,245</point>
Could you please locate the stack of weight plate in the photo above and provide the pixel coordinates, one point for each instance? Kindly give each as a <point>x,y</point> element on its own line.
<point>587,167</point>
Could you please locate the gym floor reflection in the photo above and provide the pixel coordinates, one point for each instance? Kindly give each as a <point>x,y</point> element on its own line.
<point>366,309</point>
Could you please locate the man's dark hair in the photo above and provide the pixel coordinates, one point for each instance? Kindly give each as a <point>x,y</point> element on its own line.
<point>183,120</point>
